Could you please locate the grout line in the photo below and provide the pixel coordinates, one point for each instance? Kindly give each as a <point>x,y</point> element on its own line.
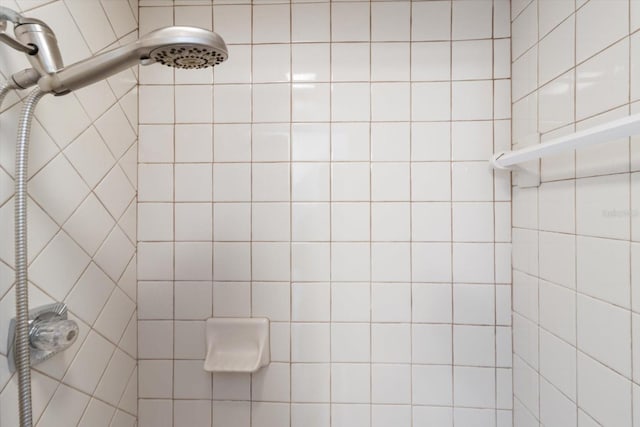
<point>537,415</point>
<point>575,169</point>
<point>173,246</point>
<point>411,224</point>
<point>330,207</point>
<point>290,170</point>
<point>451,217</point>
<point>493,211</point>
<point>370,237</point>
<point>631,325</point>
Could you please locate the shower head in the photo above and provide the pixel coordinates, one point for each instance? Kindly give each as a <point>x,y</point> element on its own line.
<point>179,47</point>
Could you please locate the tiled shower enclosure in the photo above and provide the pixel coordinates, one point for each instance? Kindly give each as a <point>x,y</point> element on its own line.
<point>346,196</point>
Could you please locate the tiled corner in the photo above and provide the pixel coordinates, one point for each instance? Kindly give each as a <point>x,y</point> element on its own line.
<point>81,249</point>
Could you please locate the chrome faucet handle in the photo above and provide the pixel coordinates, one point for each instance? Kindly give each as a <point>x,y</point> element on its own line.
<point>50,332</point>
<point>29,49</point>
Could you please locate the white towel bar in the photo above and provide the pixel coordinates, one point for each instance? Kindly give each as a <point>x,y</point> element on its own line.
<point>611,131</point>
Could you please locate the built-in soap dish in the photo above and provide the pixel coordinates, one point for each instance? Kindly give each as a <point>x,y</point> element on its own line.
<point>237,345</point>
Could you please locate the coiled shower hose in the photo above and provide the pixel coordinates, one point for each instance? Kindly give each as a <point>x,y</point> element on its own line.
<point>4,90</point>
<point>23,363</point>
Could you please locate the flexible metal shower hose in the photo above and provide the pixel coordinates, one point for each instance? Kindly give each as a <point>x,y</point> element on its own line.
<point>5,87</point>
<point>23,365</point>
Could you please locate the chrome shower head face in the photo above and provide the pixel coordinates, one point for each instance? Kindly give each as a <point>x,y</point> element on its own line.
<point>188,57</point>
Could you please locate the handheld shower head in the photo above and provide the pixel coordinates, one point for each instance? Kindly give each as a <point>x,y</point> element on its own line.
<point>179,47</point>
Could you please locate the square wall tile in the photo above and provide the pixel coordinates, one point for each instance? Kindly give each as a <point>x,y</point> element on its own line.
<point>432,344</point>
<point>390,21</point>
<point>271,103</point>
<point>430,61</point>
<point>431,101</point>
<point>390,101</point>
<point>472,60</point>
<point>611,88</point>
<point>237,71</point>
<point>350,181</point>
<point>310,302</point>
<point>471,181</point>
<point>350,61</point>
<point>473,304</point>
<point>155,105</point>
<point>193,143</point>
<point>310,342</point>
<point>303,374</point>
<point>351,383</point>
<point>350,302</point>
<point>193,104</point>
<point>270,222</point>
<point>310,62</point>
<point>271,23</point>
<point>390,181</point>
<point>310,182</point>
<point>557,50</point>
<point>391,302</point>
<point>350,22</point>
<point>390,384</point>
<point>431,21</point>
<point>350,102</point>
<point>232,104</point>
<point>350,262</point>
<point>271,63</point>
<point>471,19</point>
<point>310,222</point>
<point>390,343</point>
<point>594,33</point>
<point>390,221</point>
<point>390,61</point>
<point>310,22</point>
<point>231,299</point>
<point>472,100</point>
<point>234,21</point>
<point>432,385</point>
<point>474,345</point>
<point>270,142</point>
<point>350,342</point>
<point>310,102</point>
<point>474,386</point>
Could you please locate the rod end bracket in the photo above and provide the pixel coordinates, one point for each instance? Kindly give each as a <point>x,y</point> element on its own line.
<point>494,161</point>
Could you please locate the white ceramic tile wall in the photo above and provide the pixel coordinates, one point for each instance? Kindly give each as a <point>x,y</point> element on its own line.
<point>575,289</point>
<point>82,221</point>
<point>346,196</point>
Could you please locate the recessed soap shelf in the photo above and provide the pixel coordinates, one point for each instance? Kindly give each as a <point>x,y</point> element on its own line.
<point>237,345</point>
